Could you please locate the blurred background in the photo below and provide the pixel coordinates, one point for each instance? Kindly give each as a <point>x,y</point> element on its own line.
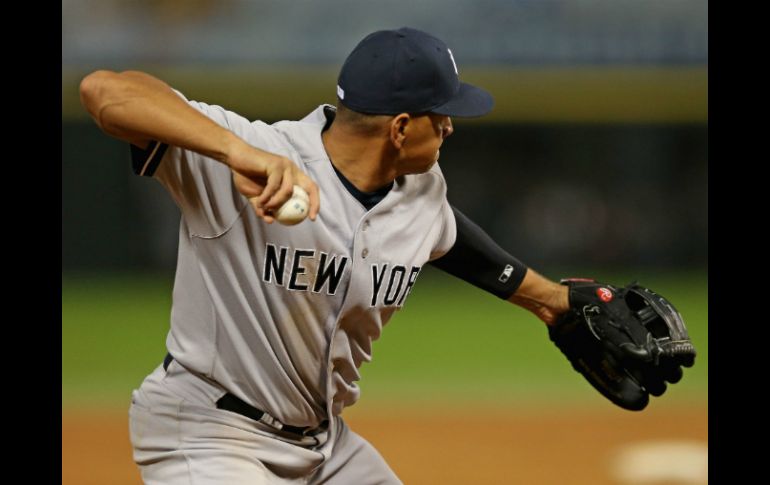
<point>594,162</point>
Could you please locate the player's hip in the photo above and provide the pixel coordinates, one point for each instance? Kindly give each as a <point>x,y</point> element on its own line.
<point>166,423</point>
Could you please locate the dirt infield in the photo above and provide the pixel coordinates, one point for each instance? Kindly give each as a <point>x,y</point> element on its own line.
<point>537,447</point>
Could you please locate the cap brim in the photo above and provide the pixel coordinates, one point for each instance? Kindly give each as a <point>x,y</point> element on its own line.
<point>469,102</point>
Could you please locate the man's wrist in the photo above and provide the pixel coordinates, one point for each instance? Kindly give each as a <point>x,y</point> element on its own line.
<point>231,151</point>
<point>560,298</point>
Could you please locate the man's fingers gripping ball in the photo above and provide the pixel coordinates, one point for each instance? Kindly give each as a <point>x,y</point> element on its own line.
<point>294,210</point>
<point>287,194</point>
<point>278,188</point>
<point>311,189</point>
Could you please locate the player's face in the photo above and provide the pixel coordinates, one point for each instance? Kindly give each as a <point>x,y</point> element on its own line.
<point>426,135</point>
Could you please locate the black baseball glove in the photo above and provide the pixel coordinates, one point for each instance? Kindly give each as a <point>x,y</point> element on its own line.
<point>627,342</point>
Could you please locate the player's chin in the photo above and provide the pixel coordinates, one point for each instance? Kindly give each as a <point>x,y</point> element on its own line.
<point>422,166</point>
<point>427,167</point>
<point>432,162</point>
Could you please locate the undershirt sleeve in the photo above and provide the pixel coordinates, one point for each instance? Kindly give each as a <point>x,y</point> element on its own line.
<point>145,162</point>
<point>480,261</point>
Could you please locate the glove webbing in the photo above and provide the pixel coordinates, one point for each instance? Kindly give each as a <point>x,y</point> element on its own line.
<point>647,315</point>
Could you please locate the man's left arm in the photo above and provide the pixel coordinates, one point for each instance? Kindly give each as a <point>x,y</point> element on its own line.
<point>477,259</point>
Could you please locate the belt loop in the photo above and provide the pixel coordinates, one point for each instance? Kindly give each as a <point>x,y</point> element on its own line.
<point>270,421</point>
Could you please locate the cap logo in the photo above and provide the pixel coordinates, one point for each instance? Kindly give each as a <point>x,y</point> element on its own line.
<point>453,60</point>
<point>340,92</point>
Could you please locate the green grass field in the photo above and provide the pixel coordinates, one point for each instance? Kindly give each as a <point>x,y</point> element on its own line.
<point>450,342</point>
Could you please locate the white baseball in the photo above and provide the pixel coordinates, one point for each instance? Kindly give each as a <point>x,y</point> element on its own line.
<point>294,210</point>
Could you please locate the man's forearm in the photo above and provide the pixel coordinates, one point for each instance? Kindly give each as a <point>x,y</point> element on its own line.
<point>137,107</point>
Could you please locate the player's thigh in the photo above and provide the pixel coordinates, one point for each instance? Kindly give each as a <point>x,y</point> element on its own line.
<point>354,460</point>
<point>213,467</point>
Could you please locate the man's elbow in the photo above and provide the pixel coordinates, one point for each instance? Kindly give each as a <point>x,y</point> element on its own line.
<point>94,91</point>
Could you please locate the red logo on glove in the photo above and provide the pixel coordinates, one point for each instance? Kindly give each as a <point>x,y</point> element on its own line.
<point>604,294</point>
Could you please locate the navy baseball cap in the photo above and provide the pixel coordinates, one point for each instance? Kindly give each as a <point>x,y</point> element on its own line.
<point>407,71</point>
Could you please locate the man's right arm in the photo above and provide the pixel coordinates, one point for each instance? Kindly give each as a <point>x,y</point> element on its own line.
<point>137,108</point>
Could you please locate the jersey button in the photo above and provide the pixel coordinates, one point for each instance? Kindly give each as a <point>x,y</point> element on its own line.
<point>366,226</point>
<point>364,253</point>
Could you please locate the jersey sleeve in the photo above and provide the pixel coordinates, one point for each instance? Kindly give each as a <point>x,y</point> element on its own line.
<point>201,187</point>
<point>448,231</point>
<point>477,259</point>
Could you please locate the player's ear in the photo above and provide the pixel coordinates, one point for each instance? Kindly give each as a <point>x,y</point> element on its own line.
<point>398,129</point>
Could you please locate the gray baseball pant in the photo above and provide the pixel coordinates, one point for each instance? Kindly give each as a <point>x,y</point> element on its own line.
<point>179,437</point>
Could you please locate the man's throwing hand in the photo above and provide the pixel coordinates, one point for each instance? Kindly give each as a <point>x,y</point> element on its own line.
<point>268,180</point>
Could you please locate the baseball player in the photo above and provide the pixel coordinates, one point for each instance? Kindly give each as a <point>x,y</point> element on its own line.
<point>271,323</point>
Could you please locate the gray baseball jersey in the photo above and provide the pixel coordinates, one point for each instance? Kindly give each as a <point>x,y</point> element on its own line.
<point>283,317</point>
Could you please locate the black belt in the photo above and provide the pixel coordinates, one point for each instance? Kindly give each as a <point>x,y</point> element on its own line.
<point>230,402</point>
